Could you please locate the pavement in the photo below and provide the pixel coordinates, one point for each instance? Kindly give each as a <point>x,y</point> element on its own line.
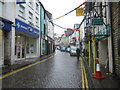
<point>110,81</point>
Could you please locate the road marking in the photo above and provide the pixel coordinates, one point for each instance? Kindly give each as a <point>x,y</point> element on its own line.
<point>21,69</point>
<point>84,76</point>
<point>83,84</point>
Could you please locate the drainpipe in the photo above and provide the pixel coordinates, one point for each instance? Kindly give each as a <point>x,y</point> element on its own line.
<point>111,32</point>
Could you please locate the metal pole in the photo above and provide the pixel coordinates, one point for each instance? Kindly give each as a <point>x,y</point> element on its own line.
<point>99,51</point>
<point>89,56</point>
<point>94,55</point>
<point>94,42</point>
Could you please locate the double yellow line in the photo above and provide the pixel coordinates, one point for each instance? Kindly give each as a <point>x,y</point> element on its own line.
<point>84,76</point>
<point>21,69</point>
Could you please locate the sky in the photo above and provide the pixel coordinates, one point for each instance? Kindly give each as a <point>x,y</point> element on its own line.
<point>61,7</point>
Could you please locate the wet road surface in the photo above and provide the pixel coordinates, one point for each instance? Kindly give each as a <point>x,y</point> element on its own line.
<point>60,71</point>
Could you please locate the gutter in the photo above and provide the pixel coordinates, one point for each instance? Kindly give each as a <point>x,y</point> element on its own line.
<point>110,5</point>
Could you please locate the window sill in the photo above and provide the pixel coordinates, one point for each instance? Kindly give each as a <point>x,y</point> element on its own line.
<point>21,17</point>
<point>37,26</point>
<point>37,12</point>
<point>31,7</point>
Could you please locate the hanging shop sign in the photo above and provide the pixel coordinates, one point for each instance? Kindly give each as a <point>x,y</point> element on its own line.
<point>80,11</point>
<point>103,32</point>
<point>97,21</point>
<point>21,26</point>
<point>5,24</point>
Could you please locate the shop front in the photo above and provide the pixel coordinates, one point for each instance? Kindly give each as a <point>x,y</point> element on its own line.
<point>103,44</point>
<point>43,45</point>
<point>5,41</point>
<point>26,41</point>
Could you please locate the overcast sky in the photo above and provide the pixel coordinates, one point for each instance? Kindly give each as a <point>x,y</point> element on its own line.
<point>61,7</point>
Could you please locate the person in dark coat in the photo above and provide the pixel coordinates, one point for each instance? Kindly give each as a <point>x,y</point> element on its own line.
<point>78,53</point>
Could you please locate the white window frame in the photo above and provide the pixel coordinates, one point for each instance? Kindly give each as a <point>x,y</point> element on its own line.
<point>37,7</point>
<point>30,4</point>
<point>21,11</point>
<point>30,18</point>
<point>37,21</point>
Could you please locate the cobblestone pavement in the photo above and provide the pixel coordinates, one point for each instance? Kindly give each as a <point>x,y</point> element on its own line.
<point>59,71</point>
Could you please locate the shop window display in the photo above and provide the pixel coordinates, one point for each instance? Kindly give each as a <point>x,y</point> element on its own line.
<point>31,46</point>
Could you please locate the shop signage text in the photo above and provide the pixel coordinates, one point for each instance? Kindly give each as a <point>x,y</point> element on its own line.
<point>21,26</point>
<point>97,21</point>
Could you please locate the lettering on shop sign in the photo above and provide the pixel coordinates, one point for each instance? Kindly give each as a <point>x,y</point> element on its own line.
<point>30,29</point>
<point>23,27</point>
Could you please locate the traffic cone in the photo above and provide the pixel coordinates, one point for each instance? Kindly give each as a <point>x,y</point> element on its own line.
<point>98,72</point>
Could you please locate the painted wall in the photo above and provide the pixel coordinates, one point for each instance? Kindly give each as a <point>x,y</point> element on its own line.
<point>42,20</point>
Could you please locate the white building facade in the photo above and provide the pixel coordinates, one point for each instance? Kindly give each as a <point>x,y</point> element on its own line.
<point>22,40</point>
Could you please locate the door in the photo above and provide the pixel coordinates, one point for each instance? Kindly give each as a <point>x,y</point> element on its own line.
<point>20,47</point>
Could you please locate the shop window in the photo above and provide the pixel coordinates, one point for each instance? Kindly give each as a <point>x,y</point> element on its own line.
<point>31,46</point>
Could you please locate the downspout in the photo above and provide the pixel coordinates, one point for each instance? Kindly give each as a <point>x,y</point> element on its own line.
<point>111,32</point>
<point>40,30</point>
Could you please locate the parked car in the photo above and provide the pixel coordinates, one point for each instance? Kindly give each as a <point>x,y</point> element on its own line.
<point>68,49</point>
<point>63,48</point>
<point>73,51</point>
<point>58,48</point>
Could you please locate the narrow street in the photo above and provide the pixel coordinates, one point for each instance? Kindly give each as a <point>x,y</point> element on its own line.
<point>59,71</point>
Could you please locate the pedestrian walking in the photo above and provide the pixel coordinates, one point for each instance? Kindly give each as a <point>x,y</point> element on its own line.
<point>78,53</point>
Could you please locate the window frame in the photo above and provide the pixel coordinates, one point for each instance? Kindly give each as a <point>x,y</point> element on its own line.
<point>30,17</point>
<point>21,11</point>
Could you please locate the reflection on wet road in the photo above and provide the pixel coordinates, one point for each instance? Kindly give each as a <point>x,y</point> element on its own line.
<point>60,71</point>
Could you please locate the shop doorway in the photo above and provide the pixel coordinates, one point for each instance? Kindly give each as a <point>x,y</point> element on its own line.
<point>19,47</point>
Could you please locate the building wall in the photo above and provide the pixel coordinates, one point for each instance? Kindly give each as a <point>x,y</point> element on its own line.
<point>28,38</point>
<point>10,11</point>
<point>1,48</point>
<point>115,8</point>
<point>6,12</point>
<point>105,43</point>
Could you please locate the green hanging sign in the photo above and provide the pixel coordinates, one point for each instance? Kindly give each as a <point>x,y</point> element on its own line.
<point>97,21</point>
<point>103,32</point>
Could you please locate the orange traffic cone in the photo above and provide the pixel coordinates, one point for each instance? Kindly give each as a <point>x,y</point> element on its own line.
<point>98,72</point>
